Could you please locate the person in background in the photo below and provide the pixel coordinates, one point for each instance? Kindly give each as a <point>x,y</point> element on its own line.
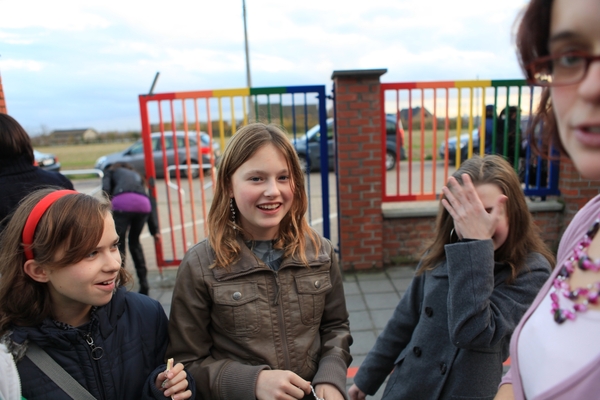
<point>449,335</point>
<point>62,292</point>
<point>555,351</point>
<point>258,308</point>
<point>489,128</point>
<point>132,208</point>
<point>18,175</point>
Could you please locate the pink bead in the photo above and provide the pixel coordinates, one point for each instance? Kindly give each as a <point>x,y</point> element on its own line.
<point>580,307</point>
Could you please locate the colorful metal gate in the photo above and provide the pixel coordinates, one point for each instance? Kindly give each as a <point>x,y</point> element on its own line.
<point>432,117</point>
<point>183,135</point>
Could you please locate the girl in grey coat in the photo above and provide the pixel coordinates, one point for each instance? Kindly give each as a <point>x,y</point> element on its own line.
<point>449,335</point>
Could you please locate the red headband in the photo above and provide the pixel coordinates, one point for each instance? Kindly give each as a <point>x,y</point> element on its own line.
<point>35,216</point>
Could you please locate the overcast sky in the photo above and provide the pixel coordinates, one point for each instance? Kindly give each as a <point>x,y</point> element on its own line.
<point>73,64</point>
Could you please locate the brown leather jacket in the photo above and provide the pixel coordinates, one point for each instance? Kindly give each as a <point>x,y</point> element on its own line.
<point>227,325</point>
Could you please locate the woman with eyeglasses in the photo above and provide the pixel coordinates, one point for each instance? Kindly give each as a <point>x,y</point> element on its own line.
<point>555,349</point>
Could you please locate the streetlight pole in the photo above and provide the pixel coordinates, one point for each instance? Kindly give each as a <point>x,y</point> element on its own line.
<point>248,78</point>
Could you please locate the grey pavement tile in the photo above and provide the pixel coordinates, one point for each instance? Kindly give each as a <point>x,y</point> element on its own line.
<point>400,272</point>
<point>348,276</point>
<point>381,301</point>
<point>401,284</point>
<point>363,342</point>
<point>360,321</point>
<point>351,288</point>
<point>355,302</point>
<point>381,317</point>
<point>370,275</point>
<point>378,286</point>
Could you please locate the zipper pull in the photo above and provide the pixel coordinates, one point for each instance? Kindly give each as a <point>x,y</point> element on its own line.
<point>278,294</point>
<point>97,352</point>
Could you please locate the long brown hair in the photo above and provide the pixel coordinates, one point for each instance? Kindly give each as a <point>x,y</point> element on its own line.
<point>532,42</point>
<point>14,141</point>
<point>73,224</point>
<point>523,234</point>
<point>293,227</point>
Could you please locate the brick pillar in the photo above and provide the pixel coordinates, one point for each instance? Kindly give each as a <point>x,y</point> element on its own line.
<point>2,100</point>
<point>574,190</point>
<point>358,130</point>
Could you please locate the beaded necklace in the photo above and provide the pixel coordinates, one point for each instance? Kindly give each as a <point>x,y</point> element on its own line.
<point>589,294</point>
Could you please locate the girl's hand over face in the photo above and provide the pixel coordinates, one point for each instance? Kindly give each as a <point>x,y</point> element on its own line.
<point>471,220</point>
<point>280,385</point>
<point>328,392</point>
<point>356,394</point>
<point>174,383</point>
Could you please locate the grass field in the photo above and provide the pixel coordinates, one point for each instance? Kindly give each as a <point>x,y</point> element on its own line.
<point>85,156</point>
<point>82,156</point>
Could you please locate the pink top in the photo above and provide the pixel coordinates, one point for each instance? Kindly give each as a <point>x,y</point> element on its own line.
<point>585,383</point>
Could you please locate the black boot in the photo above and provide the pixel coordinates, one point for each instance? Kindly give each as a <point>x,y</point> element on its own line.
<point>143,277</point>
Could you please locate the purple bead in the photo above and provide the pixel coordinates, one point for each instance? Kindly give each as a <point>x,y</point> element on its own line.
<point>558,317</point>
<point>569,315</point>
<point>554,297</point>
<point>593,297</point>
<point>593,230</point>
<point>580,307</point>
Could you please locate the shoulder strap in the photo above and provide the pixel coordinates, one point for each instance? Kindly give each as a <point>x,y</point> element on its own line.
<point>57,373</point>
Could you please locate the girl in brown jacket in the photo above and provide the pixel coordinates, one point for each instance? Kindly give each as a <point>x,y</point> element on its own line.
<point>258,308</point>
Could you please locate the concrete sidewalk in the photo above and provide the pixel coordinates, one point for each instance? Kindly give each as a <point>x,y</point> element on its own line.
<point>371,298</point>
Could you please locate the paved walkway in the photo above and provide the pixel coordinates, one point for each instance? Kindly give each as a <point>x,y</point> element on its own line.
<point>371,298</point>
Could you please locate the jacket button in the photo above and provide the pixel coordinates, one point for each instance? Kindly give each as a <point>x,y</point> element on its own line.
<point>428,311</point>
<point>443,368</point>
<point>237,296</point>
<point>417,351</point>
<point>317,284</point>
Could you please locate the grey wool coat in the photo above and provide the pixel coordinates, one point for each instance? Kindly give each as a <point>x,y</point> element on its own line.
<point>449,335</point>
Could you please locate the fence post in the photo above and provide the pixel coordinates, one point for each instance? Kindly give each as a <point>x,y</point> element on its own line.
<point>574,190</point>
<point>358,123</point>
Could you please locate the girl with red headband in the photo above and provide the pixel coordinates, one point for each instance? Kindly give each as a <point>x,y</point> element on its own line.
<point>62,299</point>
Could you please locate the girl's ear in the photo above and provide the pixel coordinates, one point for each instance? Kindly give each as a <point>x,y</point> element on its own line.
<point>35,271</point>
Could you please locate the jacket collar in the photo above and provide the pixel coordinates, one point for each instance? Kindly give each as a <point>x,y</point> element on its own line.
<point>248,262</point>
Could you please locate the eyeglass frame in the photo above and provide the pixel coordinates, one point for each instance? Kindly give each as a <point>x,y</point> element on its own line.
<point>587,57</point>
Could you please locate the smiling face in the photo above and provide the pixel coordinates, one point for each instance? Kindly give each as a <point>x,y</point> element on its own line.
<point>77,287</point>
<point>262,190</point>
<point>575,26</point>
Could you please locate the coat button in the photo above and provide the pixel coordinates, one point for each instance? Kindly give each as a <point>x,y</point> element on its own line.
<point>428,311</point>
<point>417,351</point>
<point>443,368</point>
<point>237,296</point>
<point>317,284</point>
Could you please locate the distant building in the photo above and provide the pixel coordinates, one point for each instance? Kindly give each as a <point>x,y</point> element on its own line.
<point>74,135</point>
<point>416,113</point>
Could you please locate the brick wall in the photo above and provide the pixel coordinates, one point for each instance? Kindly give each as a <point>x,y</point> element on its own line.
<point>368,239</point>
<point>358,130</point>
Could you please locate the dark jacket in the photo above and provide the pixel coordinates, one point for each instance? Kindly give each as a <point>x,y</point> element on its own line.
<point>449,335</point>
<point>123,180</point>
<point>228,324</point>
<point>132,331</point>
<point>18,178</point>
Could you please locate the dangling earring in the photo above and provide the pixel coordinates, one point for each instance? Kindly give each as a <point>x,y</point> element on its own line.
<point>232,213</point>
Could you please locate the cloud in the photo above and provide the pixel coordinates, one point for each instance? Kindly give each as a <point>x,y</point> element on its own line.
<point>27,65</point>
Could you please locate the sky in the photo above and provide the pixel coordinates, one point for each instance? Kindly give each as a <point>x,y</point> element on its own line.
<point>75,64</point>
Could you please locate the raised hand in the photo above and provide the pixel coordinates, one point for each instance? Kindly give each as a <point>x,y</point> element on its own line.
<point>472,219</point>
<point>280,385</point>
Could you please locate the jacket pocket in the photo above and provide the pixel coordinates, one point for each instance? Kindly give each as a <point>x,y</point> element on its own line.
<point>312,289</point>
<point>236,308</point>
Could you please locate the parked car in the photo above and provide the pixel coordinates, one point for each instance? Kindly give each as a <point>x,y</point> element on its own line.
<point>464,146</point>
<point>134,155</point>
<point>313,137</point>
<point>46,161</point>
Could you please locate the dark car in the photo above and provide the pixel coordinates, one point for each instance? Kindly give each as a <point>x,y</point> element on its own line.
<point>46,161</point>
<point>134,155</point>
<point>464,146</point>
<point>313,136</point>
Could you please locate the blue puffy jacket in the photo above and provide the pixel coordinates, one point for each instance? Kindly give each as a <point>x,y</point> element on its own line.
<point>132,331</point>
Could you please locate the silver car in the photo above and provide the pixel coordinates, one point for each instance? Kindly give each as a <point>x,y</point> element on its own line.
<point>134,155</point>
